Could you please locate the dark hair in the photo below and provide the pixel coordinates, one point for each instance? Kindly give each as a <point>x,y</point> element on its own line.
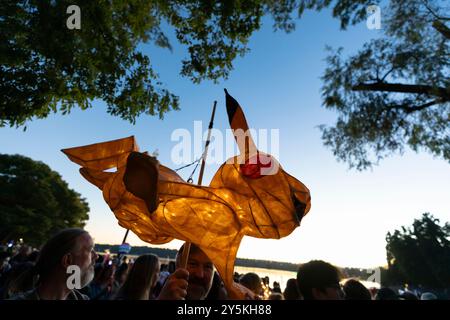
<point>103,273</point>
<point>251,281</point>
<point>386,294</point>
<point>291,291</point>
<point>122,269</point>
<point>20,279</point>
<point>171,268</point>
<point>408,296</point>
<point>316,274</point>
<point>276,287</point>
<point>4,255</point>
<point>276,296</point>
<point>355,290</point>
<point>193,249</point>
<point>163,267</point>
<point>55,249</point>
<point>217,289</point>
<point>33,256</point>
<point>138,282</point>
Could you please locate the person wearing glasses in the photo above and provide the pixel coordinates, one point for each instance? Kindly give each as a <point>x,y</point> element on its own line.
<point>319,280</point>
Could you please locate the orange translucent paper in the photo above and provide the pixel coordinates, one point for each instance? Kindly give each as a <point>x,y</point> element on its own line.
<point>250,195</point>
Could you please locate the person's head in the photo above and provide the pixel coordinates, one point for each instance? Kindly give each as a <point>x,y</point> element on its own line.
<point>355,290</point>
<point>319,280</point>
<point>201,272</point>
<point>386,294</point>
<point>105,274</point>
<point>428,296</point>
<point>408,296</point>
<point>141,278</point>
<point>253,282</point>
<point>276,296</point>
<point>25,250</point>
<point>121,273</point>
<point>19,280</point>
<point>291,292</point>
<point>100,259</point>
<point>164,267</point>
<point>66,248</point>
<point>33,256</point>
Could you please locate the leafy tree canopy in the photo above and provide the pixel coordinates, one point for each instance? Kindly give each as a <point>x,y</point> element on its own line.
<point>395,92</point>
<point>420,254</point>
<point>45,66</point>
<point>392,94</point>
<point>35,202</point>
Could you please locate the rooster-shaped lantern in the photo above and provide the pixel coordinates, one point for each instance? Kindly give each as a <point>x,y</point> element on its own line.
<point>250,195</point>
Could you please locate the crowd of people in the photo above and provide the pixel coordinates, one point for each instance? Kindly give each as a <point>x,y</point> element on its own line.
<point>49,274</point>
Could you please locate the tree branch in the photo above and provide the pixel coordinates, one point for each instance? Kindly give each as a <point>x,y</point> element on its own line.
<point>438,24</point>
<point>409,109</point>
<point>443,93</point>
<point>441,28</point>
<point>387,73</point>
<point>425,3</point>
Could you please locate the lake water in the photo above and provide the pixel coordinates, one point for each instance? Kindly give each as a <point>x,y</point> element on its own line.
<point>279,276</point>
<point>282,276</point>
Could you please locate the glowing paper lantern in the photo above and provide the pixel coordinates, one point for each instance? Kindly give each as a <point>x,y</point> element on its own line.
<point>249,195</point>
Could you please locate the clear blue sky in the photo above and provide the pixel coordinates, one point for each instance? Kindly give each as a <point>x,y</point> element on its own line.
<point>278,85</point>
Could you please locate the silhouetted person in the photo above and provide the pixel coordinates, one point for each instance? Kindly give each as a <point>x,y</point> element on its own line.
<point>119,278</point>
<point>102,286</point>
<point>218,290</point>
<point>276,287</point>
<point>22,256</point>
<point>33,257</point>
<point>253,282</point>
<point>319,280</point>
<point>355,290</point>
<point>386,294</point>
<point>276,296</point>
<point>266,282</point>
<point>19,280</point>
<point>163,274</point>
<point>291,292</point>
<point>408,296</point>
<point>428,296</point>
<point>171,268</point>
<point>141,279</point>
<point>70,247</point>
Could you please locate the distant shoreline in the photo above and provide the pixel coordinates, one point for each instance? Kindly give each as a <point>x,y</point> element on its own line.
<point>170,254</point>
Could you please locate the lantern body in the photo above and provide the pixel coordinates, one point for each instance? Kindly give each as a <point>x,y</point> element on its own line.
<point>250,194</point>
<point>215,218</point>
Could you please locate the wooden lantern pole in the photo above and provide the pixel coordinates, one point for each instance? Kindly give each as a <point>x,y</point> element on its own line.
<point>187,245</point>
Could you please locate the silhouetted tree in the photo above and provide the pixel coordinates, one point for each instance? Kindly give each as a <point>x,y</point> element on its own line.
<point>35,202</point>
<point>420,255</point>
<point>395,92</point>
<point>46,67</point>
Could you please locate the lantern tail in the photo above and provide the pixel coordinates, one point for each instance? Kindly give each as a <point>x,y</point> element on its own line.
<point>104,155</point>
<point>238,124</point>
